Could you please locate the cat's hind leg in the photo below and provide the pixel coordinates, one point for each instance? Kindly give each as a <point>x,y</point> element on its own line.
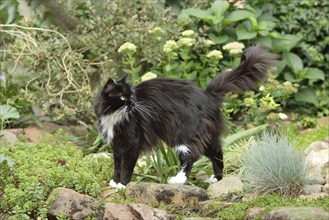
<point>186,158</point>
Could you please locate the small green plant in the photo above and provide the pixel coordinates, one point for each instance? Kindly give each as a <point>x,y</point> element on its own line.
<point>40,168</point>
<point>272,165</point>
<point>268,202</point>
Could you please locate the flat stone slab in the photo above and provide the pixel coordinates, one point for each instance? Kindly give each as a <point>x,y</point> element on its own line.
<point>156,194</point>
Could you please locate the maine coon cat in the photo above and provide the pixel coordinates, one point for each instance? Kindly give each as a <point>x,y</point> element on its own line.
<point>135,119</point>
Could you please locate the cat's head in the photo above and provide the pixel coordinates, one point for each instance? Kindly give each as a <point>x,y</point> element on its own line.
<point>114,95</point>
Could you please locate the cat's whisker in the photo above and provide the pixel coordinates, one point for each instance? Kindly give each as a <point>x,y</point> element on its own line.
<point>107,108</point>
<point>143,110</point>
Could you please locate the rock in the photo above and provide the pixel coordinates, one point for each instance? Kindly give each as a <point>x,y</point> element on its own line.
<point>74,204</point>
<point>211,207</point>
<point>294,213</point>
<point>316,147</point>
<point>253,212</point>
<point>326,139</point>
<point>322,121</point>
<point>134,211</point>
<point>101,154</point>
<point>34,133</point>
<point>248,197</point>
<point>313,180</point>
<point>325,189</point>
<point>325,172</point>
<point>317,154</point>
<point>202,176</point>
<point>156,194</point>
<point>10,136</point>
<point>117,211</point>
<point>225,186</point>
<point>109,193</point>
<point>309,189</point>
<point>314,196</point>
<point>146,212</point>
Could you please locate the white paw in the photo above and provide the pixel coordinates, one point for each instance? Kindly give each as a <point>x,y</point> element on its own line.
<point>120,186</point>
<point>211,179</point>
<point>180,178</point>
<point>113,184</point>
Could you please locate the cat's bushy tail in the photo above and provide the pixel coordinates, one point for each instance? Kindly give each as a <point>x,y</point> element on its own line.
<point>254,66</point>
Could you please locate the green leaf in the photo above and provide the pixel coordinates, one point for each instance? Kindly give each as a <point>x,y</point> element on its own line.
<point>167,67</point>
<point>198,13</point>
<point>243,34</point>
<point>10,162</point>
<point>243,134</point>
<point>8,112</point>
<point>289,77</point>
<point>219,7</point>
<point>265,41</point>
<point>306,95</point>
<point>190,76</point>
<point>11,14</point>
<point>283,42</point>
<point>218,39</point>
<point>314,73</point>
<point>238,15</point>
<point>294,61</point>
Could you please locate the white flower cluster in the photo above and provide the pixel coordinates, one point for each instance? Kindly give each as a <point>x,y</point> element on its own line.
<point>170,46</point>
<point>148,76</point>
<point>215,54</point>
<point>186,41</point>
<point>238,3</point>
<point>188,33</point>
<point>208,42</point>
<point>234,47</point>
<point>127,48</point>
<point>156,30</point>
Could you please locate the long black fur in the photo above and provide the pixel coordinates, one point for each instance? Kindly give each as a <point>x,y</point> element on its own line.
<point>176,112</point>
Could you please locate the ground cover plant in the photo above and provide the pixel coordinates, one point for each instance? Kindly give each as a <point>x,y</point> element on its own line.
<point>238,209</point>
<point>36,169</point>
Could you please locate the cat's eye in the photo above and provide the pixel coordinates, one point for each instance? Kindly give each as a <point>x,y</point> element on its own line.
<point>123,98</point>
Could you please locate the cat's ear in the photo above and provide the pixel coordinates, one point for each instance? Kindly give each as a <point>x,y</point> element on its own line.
<point>125,79</point>
<point>109,86</point>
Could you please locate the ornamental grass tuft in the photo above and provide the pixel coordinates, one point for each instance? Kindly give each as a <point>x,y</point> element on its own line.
<point>272,165</point>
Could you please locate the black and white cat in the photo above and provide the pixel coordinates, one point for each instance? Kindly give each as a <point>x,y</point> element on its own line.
<point>135,119</point>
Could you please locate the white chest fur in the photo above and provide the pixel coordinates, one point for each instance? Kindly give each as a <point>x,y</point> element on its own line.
<point>109,121</point>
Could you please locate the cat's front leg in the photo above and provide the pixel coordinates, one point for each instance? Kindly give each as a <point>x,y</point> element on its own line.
<point>117,170</point>
<point>128,163</point>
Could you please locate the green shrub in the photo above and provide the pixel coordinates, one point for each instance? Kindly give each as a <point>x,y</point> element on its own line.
<point>39,168</point>
<point>222,23</point>
<point>63,69</point>
<point>272,165</point>
<point>297,18</point>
